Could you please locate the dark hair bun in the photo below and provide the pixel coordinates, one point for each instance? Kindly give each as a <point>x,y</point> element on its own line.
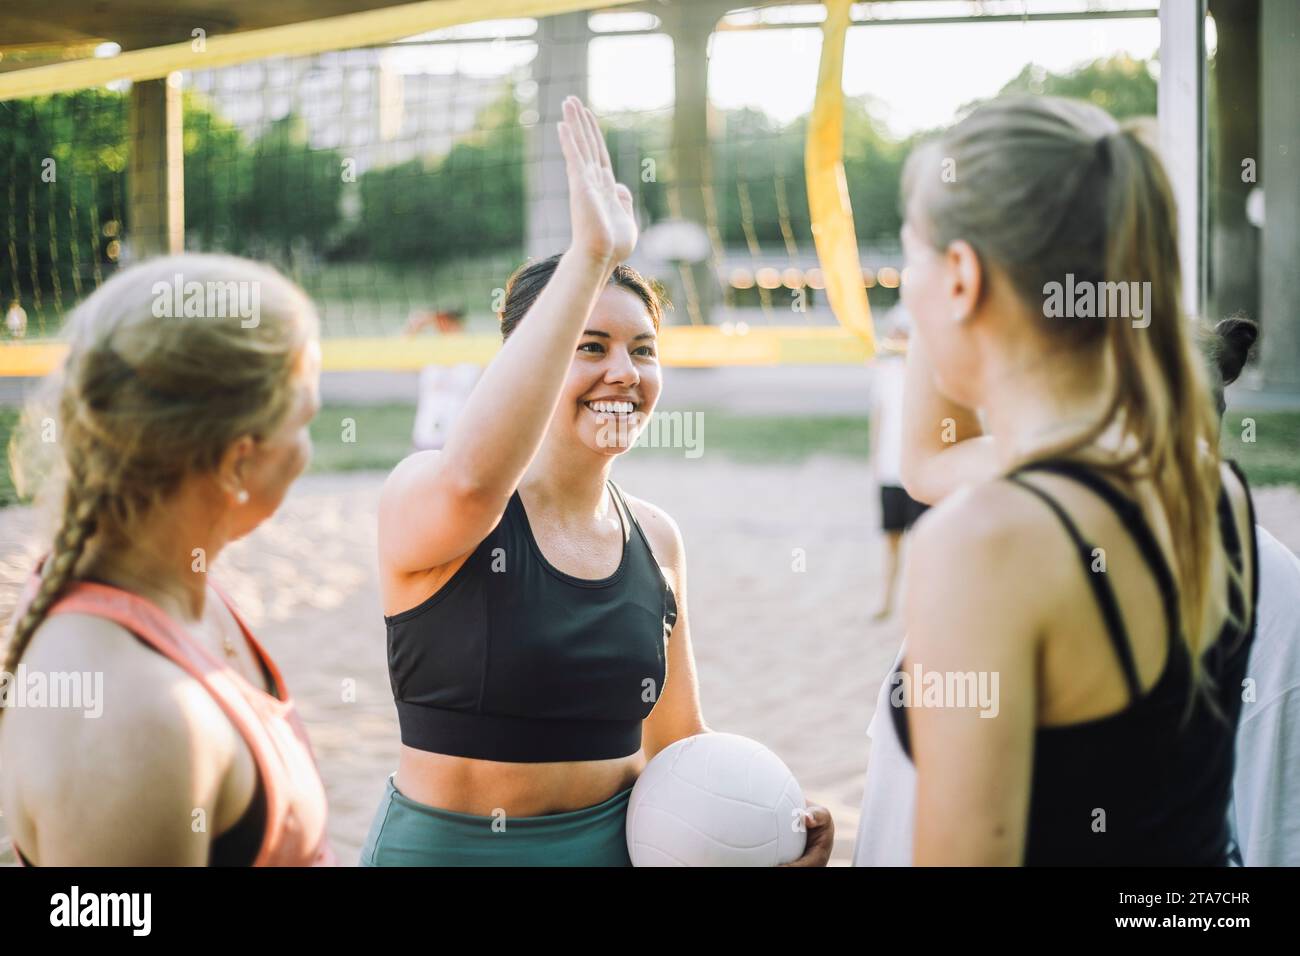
<point>1235,337</point>
<point>526,285</point>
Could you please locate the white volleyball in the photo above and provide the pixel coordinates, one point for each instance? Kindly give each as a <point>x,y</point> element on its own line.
<point>715,800</point>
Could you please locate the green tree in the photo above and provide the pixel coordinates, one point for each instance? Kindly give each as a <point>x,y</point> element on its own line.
<point>292,190</point>
<point>639,151</point>
<point>761,188</point>
<point>61,198</point>
<point>63,188</point>
<point>873,166</point>
<point>1120,85</point>
<point>218,175</point>
<point>467,202</point>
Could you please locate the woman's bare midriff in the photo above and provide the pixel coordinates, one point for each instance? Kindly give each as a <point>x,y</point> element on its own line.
<point>484,787</point>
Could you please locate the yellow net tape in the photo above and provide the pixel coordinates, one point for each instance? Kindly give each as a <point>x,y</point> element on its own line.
<point>828,194</point>
<point>295,39</point>
<point>682,346</point>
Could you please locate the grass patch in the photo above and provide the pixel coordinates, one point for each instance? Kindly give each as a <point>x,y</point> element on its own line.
<point>377,437</point>
<point>764,439</point>
<point>1272,455</point>
<point>381,436</point>
<point>360,437</point>
<point>8,419</point>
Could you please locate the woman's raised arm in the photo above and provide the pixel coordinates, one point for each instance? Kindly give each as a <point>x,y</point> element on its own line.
<point>436,506</point>
<point>944,446</point>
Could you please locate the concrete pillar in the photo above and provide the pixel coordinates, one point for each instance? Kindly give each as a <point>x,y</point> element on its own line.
<point>1279,348</point>
<point>156,179</point>
<point>691,25</point>
<point>1180,107</point>
<point>1234,242</point>
<point>559,70</point>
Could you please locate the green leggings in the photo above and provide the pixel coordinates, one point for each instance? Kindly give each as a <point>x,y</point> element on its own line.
<point>406,833</point>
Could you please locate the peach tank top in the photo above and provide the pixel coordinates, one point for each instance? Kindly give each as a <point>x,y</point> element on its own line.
<point>295,797</point>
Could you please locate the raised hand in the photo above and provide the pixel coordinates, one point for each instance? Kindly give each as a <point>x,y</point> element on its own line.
<point>600,209</point>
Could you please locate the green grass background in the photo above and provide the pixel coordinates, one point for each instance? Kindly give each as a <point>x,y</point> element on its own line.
<point>383,434</point>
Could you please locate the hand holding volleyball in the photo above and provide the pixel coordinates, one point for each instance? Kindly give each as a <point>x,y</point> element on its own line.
<point>600,209</point>
<point>718,799</point>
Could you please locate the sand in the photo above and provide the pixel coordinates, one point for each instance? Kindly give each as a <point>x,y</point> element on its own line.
<point>788,657</point>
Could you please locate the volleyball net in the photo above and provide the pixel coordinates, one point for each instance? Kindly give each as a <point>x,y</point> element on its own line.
<point>401,181</point>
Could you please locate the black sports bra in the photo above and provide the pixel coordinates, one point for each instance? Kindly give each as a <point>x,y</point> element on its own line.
<point>1159,771</point>
<point>514,660</point>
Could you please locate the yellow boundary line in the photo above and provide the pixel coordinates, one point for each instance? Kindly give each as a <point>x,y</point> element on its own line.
<point>682,346</point>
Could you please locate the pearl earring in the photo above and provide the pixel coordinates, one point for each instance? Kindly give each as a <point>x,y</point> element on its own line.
<point>959,316</point>
<point>242,496</point>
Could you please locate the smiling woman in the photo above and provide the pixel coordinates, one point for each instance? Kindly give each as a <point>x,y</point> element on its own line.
<point>530,604</point>
<point>538,640</point>
<point>627,320</point>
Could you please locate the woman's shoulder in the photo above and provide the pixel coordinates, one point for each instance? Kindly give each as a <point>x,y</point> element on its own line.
<point>106,690</point>
<point>986,575</point>
<point>995,516</point>
<point>993,542</point>
<point>97,772</point>
<point>660,528</point>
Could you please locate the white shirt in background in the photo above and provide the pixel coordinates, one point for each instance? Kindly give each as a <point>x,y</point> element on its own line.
<point>887,404</point>
<point>1265,813</point>
<point>16,321</point>
<point>889,801</point>
<point>443,392</point>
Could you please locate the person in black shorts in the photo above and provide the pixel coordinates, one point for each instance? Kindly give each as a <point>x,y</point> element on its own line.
<point>898,509</point>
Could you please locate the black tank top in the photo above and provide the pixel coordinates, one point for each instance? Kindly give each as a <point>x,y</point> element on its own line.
<point>1161,768</point>
<point>514,660</point>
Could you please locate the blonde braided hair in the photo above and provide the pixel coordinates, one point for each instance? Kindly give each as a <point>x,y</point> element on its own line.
<point>145,399</point>
<point>80,519</point>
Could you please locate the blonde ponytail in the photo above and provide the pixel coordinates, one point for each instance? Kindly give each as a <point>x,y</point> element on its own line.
<point>1050,187</point>
<point>1165,395</point>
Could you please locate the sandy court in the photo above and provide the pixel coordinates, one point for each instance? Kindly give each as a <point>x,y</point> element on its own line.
<point>788,657</point>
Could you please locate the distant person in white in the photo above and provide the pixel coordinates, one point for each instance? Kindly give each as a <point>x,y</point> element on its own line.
<point>442,392</point>
<point>16,320</point>
<point>898,510</point>
<point>1265,813</point>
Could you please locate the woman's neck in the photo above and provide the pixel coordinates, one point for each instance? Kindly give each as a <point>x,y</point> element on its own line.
<point>1043,403</point>
<point>571,484</point>
<point>166,560</point>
